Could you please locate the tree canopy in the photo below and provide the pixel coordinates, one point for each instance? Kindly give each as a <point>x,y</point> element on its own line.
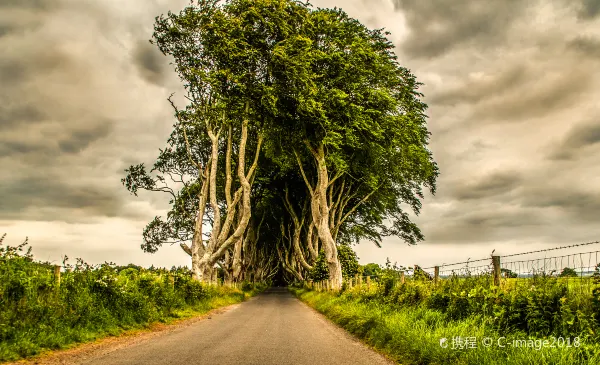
<point>302,135</point>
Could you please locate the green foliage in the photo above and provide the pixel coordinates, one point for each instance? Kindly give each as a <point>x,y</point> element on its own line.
<point>410,334</point>
<point>348,260</point>
<point>508,273</point>
<point>91,301</point>
<point>371,269</point>
<point>568,272</point>
<point>320,271</point>
<point>540,307</point>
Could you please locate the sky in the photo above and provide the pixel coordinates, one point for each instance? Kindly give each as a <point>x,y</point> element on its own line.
<point>512,89</point>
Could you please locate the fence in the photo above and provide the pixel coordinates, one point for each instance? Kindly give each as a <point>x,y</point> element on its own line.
<point>503,270</point>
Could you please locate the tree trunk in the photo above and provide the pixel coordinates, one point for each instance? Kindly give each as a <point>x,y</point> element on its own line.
<point>320,210</point>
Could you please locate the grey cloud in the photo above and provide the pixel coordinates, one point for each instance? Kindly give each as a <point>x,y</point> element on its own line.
<point>478,225</point>
<point>589,9</point>
<point>478,90</point>
<point>11,117</point>
<point>10,148</point>
<point>536,97</point>
<point>585,45</point>
<point>516,93</point>
<point>150,62</point>
<point>439,26</point>
<point>49,193</point>
<point>584,206</point>
<point>80,139</point>
<point>577,139</point>
<point>5,29</point>
<point>490,186</point>
<point>30,4</point>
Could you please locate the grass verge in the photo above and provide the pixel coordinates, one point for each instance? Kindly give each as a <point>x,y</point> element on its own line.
<point>43,340</point>
<point>412,335</point>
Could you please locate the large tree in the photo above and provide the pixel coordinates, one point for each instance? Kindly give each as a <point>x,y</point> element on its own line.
<point>352,119</point>
<point>222,52</point>
<point>302,132</point>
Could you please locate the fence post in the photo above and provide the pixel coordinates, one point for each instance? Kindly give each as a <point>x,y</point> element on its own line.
<point>496,265</point>
<point>368,282</point>
<point>360,280</point>
<point>57,275</point>
<point>402,277</point>
<point>172,281</point>
<point>436,275</point>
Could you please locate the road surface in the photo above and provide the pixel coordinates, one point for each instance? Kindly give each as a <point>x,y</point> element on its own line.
<point>271,328</point>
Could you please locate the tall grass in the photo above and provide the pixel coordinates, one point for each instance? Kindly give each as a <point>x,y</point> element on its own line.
<point>92,301</point>
<point>408,321</point>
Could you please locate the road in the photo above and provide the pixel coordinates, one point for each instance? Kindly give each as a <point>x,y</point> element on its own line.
<point>271,328</point>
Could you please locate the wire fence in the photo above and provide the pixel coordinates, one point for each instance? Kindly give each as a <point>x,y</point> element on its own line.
<point>578,269</point>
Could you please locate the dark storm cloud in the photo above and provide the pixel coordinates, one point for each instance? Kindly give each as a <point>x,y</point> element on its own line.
<point>589,9</point>
<point>482,225</point>
<point>584,206</point>
<point>518,92</point>
<point>537,98</point>
<point>11,117</point>
<point>22,66</point>
<point>437,27</point>
<point>150,62</point>
<point>475,91</point>
<point>490,186</point>
<point>587,46</point>
<point>36,192</point>
<point>577,139</point>
<point>78,140</point>
<point>30,4</point>
<point>5,29</point>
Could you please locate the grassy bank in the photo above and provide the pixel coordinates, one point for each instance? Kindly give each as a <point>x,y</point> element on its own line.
<point>412,334</point>
<point>37,313</point>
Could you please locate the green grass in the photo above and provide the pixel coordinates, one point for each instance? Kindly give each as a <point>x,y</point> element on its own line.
<point>411,335</point>
<point>91,302</point>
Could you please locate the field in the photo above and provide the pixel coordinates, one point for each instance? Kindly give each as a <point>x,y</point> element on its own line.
<point>37,312</point>
<point>419,322</point>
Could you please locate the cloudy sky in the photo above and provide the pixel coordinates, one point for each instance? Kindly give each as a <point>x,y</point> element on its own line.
<point>512,88</point>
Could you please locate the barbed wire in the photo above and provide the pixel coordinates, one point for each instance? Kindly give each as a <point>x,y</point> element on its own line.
<point>552,249</point>
<point>457,263</point>
<point>514,254</point>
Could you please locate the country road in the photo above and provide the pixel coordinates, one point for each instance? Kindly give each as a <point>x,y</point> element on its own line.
<point>272,328</point>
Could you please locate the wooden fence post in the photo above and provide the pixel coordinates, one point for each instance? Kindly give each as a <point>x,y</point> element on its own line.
<point>57,275</point>
<point>402,279</point>
<point>360,280</point>
<point>496,265</point>
<point>436,275</point>
<point>368,282</point>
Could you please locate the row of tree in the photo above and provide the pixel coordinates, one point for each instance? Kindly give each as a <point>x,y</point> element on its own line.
<point>302,134</point>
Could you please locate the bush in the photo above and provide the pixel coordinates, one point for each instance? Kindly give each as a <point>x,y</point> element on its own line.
<point>92,300</point>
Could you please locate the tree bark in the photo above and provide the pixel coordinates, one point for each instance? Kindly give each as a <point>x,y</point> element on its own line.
<point>320,212</point>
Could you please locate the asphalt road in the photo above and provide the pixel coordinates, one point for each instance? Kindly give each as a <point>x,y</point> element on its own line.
<point>271,328</point>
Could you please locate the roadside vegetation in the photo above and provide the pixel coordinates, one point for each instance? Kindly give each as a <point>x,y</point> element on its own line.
<point>408,320</point>
<point>37,313</point>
